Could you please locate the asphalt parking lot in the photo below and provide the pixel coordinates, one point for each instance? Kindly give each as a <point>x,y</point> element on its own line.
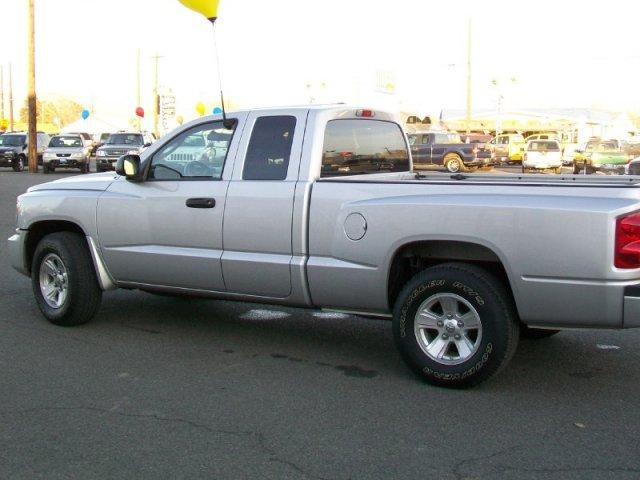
<point>160,387</point>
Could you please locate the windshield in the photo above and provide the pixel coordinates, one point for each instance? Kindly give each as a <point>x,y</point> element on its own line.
<point>66,141</point>
<point>125,139</point>
<point>543,146</point>
<point>12,140</point>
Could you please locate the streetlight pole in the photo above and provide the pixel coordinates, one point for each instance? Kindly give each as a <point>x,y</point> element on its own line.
<point>156,94</point>
<point>31,95</point>
<point>11,126</point>
<point>138,95</point>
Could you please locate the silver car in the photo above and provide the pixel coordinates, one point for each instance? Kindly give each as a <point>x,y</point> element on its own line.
<point>66,151</point>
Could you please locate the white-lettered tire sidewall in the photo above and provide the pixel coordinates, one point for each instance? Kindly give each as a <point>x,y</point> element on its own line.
<point>494,316</point>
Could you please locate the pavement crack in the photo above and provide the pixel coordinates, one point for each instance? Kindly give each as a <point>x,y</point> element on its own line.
<point>258,437</point>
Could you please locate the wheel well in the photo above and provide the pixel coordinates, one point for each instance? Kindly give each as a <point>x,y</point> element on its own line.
<point>415,257</point>
<point>39,230</point>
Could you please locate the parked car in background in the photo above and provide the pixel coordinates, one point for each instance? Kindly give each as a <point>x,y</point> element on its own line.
<point>543,136</point>
<point>119,144</point>
<point>600,156</point>
<point>442,149</point>
<point>633,167</point>
<point>508,148</point>
<point>66,151</point>
<point>542,155</point>
<point>14,149</point>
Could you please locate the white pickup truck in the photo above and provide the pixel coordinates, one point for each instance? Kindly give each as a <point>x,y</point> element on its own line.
<point>318,207</point>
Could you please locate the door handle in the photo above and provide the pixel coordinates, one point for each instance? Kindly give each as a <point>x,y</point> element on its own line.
<point>201,202</point>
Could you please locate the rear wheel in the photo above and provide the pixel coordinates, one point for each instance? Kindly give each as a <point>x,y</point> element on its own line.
<point>64,281</point>
<point>453,163</point>
<point>45,168</point>
<point>455,325</point>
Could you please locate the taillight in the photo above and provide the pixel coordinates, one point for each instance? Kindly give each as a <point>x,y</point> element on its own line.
<point>365,113</point>
<point>627,251</point>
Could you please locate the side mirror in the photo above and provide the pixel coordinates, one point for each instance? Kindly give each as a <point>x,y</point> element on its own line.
<point>129,167</point>
<point>146,145</point>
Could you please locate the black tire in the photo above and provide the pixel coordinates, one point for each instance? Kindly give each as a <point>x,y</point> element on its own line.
<point>84,168</point>
<point>536,333</point>
<point>496,312</point>
<point>99,168</point>
<point>83,291</point>
<point>45,168</point>
<point>19,163</point>
<point>453,163</point>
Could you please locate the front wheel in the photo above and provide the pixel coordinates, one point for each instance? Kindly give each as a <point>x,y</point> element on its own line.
<point>64,280</point>
<point>18,164</point>
<point>455,325</point>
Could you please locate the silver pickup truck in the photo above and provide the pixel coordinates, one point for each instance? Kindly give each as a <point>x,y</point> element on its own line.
<point>318,207</point>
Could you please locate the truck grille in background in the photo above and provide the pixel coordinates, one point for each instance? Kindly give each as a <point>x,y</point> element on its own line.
<point>181,157</point>
<point>64,155</point>
<point>113,153</point>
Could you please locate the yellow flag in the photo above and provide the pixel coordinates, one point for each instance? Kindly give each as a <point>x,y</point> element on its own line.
<point>207,8</point>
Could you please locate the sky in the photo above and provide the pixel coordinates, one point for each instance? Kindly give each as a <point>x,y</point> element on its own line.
<point>540,54</point>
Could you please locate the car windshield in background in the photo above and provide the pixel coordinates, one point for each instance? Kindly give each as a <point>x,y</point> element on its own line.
<point>543,146</point>
<point>124,139</point>
<point>12,140</point>
<point>71,142</point>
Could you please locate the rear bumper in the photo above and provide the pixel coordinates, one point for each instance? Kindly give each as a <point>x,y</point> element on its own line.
<point>16,244</point>
<point>631,308</point>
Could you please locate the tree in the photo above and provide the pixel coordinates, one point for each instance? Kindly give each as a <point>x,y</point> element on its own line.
<point>56,110</point>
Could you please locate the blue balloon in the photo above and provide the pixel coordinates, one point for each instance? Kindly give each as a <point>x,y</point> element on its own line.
<point>217,111</point>
<point>85,114</point>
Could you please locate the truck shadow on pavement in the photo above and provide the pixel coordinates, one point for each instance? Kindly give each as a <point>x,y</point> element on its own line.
<point>361,347</point>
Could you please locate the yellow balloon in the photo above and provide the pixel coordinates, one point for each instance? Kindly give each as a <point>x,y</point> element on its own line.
<point>207,8</point>
<point>201,108</point>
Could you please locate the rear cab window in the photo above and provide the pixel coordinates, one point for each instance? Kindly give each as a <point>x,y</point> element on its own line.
<point>269,148</point>
<point>357,147</point>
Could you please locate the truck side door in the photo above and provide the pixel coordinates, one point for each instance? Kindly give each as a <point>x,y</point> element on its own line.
<point>439,148</point>
<point>421,149</point>
<point>167,230</point>
<point>259,211</point>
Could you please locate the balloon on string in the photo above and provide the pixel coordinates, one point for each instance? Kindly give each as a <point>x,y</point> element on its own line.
<point>217,111</point>
<point>85,114</point>
<point>207,8</point>
<point>200,108</point>
<point>140,112</point>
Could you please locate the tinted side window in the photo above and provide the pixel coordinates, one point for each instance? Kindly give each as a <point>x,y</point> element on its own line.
<point>353,147</point>
<point>269,148</point>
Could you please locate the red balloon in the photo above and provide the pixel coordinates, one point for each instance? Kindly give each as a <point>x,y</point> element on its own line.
<point>140,112</point>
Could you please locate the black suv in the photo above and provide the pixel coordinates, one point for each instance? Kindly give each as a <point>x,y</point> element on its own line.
<point>13,149</point>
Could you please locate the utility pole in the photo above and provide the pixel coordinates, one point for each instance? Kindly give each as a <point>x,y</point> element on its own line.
<point>1,92</point>
<point>138,95</point>
<point>31,95</point>
<point>469,78</point>
<point>11,126</point>
<point>156,94</point>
